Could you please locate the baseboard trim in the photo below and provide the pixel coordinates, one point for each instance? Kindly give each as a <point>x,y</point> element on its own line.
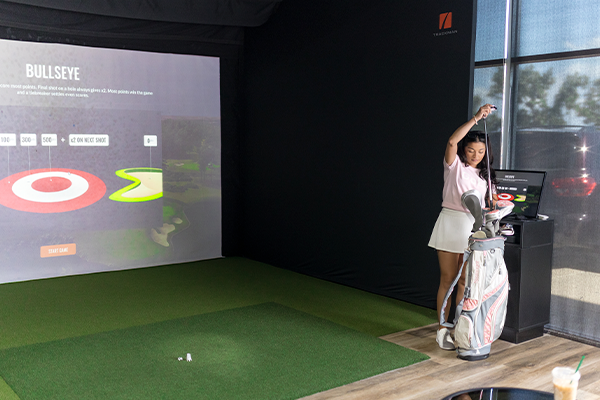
<point>570,336</point>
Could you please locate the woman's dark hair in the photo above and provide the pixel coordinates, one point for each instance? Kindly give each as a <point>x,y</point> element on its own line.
<point>479,137</point>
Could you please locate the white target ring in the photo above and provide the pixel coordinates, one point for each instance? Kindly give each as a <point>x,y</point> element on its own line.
<point>505,196</point>
<point>23,187</point>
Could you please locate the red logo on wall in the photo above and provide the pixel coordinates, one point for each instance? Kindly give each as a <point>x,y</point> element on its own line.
<point>446,20</point>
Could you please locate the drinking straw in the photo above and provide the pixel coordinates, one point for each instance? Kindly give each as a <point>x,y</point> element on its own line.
<point>582,357</point>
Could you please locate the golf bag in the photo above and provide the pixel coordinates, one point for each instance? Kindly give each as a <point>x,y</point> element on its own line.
<point>480,315</point>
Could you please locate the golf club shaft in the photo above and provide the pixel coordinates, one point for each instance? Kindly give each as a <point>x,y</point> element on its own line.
<point>487,157</point>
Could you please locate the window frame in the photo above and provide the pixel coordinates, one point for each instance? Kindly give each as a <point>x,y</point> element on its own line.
<point>510,63</point>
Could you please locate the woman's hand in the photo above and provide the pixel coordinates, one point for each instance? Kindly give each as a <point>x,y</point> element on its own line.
<point>484,111</point>
<point>494,201</point>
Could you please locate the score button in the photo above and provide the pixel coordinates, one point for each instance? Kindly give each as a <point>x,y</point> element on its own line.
<point>58,250</point>
<point>49,139</point>
<point>150,140</point>
<point>88,140</point>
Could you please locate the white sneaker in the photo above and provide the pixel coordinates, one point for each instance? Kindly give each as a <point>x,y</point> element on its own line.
<point>444,339</point>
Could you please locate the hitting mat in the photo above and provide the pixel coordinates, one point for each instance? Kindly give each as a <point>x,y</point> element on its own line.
<point>266,351</point>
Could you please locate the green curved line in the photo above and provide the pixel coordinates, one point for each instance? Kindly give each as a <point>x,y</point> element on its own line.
<point>123,173</point>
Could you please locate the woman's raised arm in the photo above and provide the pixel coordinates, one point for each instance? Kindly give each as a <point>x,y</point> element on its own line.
<point>452,146</point>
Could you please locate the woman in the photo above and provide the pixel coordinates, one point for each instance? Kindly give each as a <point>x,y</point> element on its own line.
<point>465,168</point>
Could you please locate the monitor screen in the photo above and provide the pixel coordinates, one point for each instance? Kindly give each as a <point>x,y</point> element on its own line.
<point>522,188</point>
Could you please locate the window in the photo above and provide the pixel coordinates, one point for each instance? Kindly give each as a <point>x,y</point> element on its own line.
<point>551,122</point>
<point>553,26</point>
<point>491,19</point>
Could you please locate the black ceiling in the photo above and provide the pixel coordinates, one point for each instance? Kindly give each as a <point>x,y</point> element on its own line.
<point>206,27</point>
<point>243,13</point>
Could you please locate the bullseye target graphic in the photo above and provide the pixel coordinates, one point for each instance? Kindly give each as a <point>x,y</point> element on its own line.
<point>505,196</point>
<point>50,190</point>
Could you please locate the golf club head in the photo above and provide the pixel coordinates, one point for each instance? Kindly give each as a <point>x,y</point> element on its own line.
<point>505,207</point>
<point>471,200</point>
<point>492,218</point>
<point>507,230</point>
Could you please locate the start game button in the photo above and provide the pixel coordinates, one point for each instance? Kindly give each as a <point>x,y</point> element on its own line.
<point>58,250</point>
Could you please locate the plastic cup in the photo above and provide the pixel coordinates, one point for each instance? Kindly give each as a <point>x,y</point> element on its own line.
<point>565,382</point>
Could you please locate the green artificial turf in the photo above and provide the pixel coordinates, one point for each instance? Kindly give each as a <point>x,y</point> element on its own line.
<point>265,351</point>
<point>6,393</point>
<point>58,308</point>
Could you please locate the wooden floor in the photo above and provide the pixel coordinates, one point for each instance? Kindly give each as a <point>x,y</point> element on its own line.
<point>526,365</point>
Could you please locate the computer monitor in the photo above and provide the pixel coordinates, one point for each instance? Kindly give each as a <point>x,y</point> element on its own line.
<point>523,189</point>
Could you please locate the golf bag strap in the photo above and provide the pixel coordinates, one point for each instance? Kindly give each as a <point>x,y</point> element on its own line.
<point>443,320</point>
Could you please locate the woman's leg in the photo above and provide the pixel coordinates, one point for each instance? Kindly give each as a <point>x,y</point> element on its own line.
<point>449,265</point>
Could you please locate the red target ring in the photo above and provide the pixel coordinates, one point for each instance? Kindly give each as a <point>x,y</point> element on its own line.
<point>51,184</point>
<point>505,196</point>
<point>51,190</point>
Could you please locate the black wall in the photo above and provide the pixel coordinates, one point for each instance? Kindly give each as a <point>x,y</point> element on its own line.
<point>348,106</point>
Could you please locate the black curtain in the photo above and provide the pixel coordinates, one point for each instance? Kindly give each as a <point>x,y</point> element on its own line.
<point>348,107</point>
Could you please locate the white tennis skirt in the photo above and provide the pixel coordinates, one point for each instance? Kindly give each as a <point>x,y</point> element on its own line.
<point>451,231</point>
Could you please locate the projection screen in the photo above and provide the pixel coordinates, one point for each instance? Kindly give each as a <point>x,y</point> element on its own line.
<point>109,159</point>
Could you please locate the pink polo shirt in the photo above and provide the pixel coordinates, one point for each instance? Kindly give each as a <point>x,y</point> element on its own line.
<point>459,178</point>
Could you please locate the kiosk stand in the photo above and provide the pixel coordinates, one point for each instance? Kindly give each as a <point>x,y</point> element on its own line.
<point>528,258</point>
